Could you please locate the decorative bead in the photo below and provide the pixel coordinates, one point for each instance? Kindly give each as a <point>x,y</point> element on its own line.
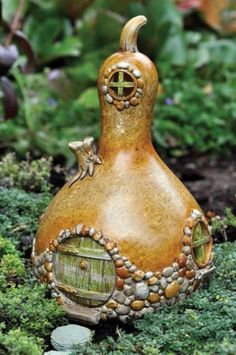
<point>137,305</point>
<point>153,298</point>
<point>184,286</point>
<point>120,284</point>
<point>190,274</point>
<point>97,236</point>
<point>108,98</point>
<point>141,290</point>
<point>48,266</point>
<point>138,275</point>
<point>122,272</point>
<point>168,271</point>
<point>49,277</point>
<point>186,240</point>
<point>134,101</point>
<point>187,250</point>
<point>120,105</point>
<point>55,243</point>
<point>182,272</point>
<point>140,83</point>
<point>172,289</point>
<point>189,222</point>
<point>78,228</point>
<point>127,104</point>
<point>148,275</point>
<point>109,246</point>
<point>92,231</point>
<point>152,281</point>
<point>137,73</point>
<point>187,231</point>
<point>112,304</point>
<point>119,263</point>
<point>132,268</point>
<point>163,283</point>
<point>189,265</point>
<point>123,65</point>
<point>52,248</point>
<point>182,260</point>
<point>175,275</point>
<point>157,274</point>
<point>122,309</point>
<point>104,89</point>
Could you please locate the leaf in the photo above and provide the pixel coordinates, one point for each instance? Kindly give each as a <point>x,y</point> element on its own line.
<point>68,47</point>
<point>89,99</point>
<point>42,35</point>
<point>10,103</point>
<point>25,46</point>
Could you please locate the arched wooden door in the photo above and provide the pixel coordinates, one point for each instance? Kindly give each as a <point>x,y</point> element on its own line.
<point>84,271</point>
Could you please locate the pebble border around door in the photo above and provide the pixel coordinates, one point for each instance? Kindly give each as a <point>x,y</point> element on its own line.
<point>136,292</point>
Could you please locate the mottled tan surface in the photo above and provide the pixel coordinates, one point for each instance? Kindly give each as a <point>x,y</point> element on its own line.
<point>132,197</point>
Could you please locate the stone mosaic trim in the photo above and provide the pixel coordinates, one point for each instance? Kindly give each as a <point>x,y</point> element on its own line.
<point>122,86</point>
<point>136,292</point>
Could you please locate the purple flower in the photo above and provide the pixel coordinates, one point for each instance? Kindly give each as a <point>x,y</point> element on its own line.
<point>169,101</point>
<point>52,102</point>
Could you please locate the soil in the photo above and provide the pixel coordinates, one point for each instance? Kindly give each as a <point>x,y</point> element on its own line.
<point>212,181</point>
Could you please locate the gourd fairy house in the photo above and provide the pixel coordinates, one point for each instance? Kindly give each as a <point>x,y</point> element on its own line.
<point>124,235</point>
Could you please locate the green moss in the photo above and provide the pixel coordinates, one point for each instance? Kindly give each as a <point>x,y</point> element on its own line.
<point>26,175</point>
<point>18,342</point>
<point>28,307</point>
<point>19,215</point>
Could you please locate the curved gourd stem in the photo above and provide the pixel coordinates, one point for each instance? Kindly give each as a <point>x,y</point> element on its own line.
<point>129,34</point>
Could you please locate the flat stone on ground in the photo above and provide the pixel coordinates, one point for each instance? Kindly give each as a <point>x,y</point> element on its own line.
<point>66,337</point>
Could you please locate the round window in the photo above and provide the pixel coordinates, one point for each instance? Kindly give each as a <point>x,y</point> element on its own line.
<point>122,85</point>
<point>201,244</point>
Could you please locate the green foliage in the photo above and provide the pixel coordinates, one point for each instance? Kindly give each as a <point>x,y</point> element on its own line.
<point>203,324</point>
<point>193,113</point>
<point>11,270</point>
<point>6,247</point>
<point>19,214</point>
<point>28,308</point>
<point>221,224</point>
<point>26,175</point>
<point>59,106</point>
<point>20,343</point>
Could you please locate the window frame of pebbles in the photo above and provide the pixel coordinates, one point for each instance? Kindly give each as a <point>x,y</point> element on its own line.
<point>136,292</point>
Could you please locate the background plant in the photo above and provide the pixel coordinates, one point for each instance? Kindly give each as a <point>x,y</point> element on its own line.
<point>59,102</point>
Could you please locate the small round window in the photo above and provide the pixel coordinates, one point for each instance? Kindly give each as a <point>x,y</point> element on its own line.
<point>122,85</point>
<point>201,244</point>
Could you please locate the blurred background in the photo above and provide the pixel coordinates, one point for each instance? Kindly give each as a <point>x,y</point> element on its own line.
<point>50,55</point>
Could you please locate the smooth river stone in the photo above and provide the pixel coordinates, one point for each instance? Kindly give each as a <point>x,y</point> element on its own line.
<point>141,291</point>
<point>66,337</point>
<point>172,289</point>
<point>184,286</point>
<point>137,305</point>
<point>168,271</point>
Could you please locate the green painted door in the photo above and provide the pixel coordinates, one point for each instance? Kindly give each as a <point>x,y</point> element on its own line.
<point>84,271</point>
